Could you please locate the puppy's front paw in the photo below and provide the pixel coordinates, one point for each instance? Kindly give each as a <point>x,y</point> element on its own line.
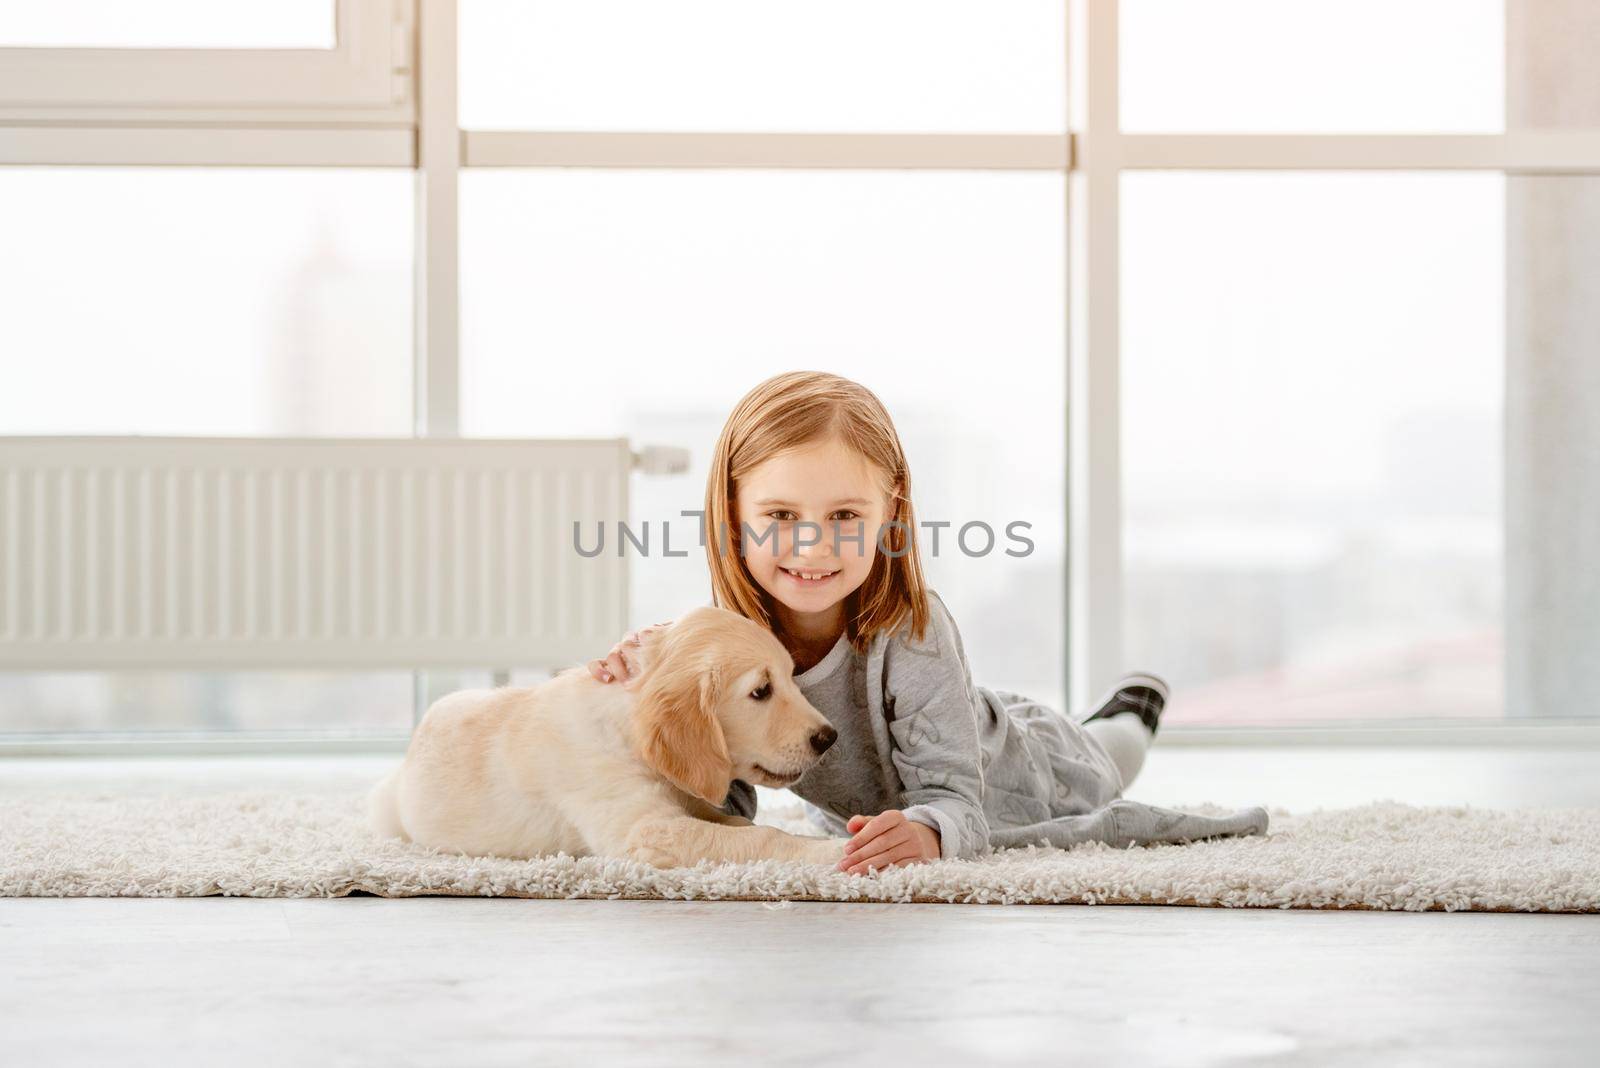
<point>656,845</point>
<point>829,851</point>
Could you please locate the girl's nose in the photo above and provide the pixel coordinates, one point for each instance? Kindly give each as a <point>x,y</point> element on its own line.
<point>805,547</point>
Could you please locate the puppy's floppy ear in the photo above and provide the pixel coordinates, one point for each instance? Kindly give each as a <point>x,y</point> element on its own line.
<point>677,733</point>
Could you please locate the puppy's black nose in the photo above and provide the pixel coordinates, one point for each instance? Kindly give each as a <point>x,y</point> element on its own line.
<point>822,739</point>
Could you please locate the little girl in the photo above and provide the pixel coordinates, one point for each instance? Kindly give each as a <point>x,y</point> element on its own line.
<point>810,532</point>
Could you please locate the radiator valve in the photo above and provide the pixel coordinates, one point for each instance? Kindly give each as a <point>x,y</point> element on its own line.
<point>661,460</point>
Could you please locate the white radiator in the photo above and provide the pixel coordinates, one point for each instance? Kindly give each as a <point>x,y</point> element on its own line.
<point>328,553</point>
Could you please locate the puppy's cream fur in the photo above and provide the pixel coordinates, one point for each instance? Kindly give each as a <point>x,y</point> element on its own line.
<point>638,769</point>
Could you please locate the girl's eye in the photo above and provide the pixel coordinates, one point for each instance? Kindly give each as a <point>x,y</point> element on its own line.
<point>788,517</point>
<point>762,692</point>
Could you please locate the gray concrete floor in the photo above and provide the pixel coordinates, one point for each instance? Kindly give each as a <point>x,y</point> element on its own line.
<point>456,981</point>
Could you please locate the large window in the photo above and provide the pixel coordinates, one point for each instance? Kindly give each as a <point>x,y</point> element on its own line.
<point>1272,318</point>
<point>1335,504</point>
<point>1336,280</point>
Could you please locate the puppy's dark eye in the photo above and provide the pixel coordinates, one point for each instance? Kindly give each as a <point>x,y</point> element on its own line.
<point>762,692</point>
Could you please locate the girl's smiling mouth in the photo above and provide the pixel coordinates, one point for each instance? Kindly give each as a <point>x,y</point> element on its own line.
<point>807,577</point>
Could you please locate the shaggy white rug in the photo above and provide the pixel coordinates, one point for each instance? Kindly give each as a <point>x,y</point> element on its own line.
<point>1381,856</point>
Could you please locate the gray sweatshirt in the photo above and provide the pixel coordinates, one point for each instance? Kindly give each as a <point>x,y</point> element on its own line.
<point>985,768</point>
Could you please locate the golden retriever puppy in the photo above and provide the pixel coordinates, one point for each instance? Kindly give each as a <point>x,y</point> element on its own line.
<point>636,769</point>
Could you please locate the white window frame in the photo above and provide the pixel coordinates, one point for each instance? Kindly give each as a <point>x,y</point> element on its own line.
<point>419,128</point>
<point>364,77</point>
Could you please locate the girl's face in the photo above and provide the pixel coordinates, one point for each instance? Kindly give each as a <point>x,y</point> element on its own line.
<point>808,521</point>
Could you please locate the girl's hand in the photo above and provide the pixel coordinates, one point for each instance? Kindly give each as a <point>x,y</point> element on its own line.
<point>887,840</point>
<point>616,665</point>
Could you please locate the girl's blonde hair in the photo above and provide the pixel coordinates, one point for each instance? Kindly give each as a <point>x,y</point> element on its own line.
<point>789,411</point>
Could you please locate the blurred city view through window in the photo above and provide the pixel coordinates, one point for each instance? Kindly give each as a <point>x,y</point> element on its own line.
<point>1313,443</point>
